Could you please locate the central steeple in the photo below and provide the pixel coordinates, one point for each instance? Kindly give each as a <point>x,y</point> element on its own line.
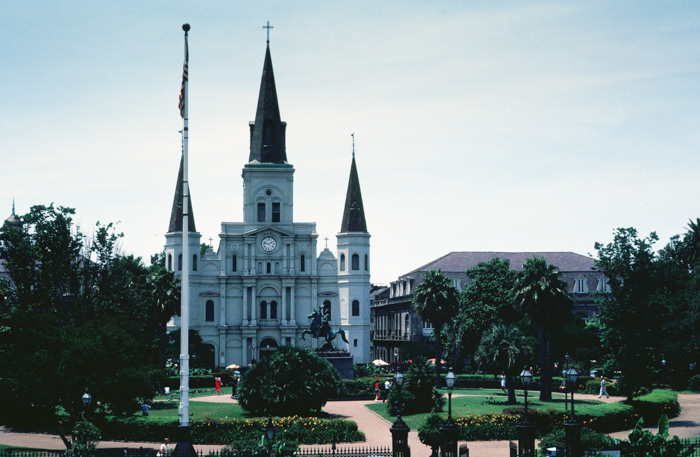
<point>267,133</point>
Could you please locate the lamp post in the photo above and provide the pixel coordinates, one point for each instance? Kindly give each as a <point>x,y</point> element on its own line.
<point>663,368</point>
<point>572,426</point>
<point>566,390</point>
<point>270,434</point>
<point>526,429</point>
<point>449,430</point>
<point>399,429</point>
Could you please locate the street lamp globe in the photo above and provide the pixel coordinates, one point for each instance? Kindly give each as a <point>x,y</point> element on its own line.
<point>270,429</point>
<point>450,379</point>
<point>398,378</point>
<point>87,398</point>
<point>571,376</point>
<point>525,377</point>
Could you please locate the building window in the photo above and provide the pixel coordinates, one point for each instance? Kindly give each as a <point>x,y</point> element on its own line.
<point>407,324</point>
<point>273,309</point>
<point>326,310</point>
<point>179,262</point>
<point>342,262</point>
<point>209,311</point>
<point>268,268</point>
<point>366,262</point>
<point>580,285</point>
<point>170,262</point>
<point>263,309</point>
<point>355,262</point>
<point>288,341</point>
<point>355,308</point>
<point>261,212</point>
<point>194,262</point>
<point>603,285</point>
<point>275,212</point>
<point>234,263</point>
<point>302,265</point>
<point>354,342</point>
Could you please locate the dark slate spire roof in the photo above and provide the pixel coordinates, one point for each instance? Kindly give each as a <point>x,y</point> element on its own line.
<point>176,214</point>
<point>354,214</point>
<point>13,220</point>
<point>267,143</point>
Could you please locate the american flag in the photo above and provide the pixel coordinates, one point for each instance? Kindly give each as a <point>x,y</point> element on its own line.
<point>181,104</point>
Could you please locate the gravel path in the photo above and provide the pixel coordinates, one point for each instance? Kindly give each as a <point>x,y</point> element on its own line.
<point>375,428</point>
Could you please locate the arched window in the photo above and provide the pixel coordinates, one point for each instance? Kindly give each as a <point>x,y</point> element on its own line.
<point>408,324</point>
<point>194,262</point>
<point>170,262</point>
<point>342,262</point>
<point>366,262</point>
<point>302,265</point>
<point>288,341</point>
<point>263,309</point>
<point>234,263</point>
<point>355,262</point>
<point>268,268</point>
<point>261,212</point>
<point>209,311</point>
<point>276,212</point>
<point>179,262</point>
<point>355,308</point>
<point>326,309</point>
<point>273,309</point>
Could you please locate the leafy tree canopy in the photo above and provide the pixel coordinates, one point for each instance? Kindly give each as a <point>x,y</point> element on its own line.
<point>291,381</point>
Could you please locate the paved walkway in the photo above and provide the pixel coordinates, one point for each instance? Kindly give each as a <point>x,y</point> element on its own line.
<point>375,428</point>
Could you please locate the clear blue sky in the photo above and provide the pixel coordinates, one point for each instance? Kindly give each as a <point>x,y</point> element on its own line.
<point>508,126</point>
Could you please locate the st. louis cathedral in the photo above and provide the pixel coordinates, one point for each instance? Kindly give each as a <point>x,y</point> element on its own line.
<point>256,292</point>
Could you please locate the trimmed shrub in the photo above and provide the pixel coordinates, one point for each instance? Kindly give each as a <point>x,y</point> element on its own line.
<point>651,406</point>
<point>487,427</point>
<point>226,431</point>
<point>590,439</point>
<point>694,383</point>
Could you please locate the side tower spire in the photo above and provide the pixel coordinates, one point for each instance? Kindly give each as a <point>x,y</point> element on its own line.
<point>176,213</point>
<point>267,132</point>
<point>354,213</point>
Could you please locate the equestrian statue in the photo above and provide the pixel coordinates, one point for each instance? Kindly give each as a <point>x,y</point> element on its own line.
<point>319,327</point>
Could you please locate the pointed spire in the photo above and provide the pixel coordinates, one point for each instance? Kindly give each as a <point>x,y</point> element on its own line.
<point>267,133</point>
<point>13,220</point>
<point>354,214</point>
<point>176,214</point>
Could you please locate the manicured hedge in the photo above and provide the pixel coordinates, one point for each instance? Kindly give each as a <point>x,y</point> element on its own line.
<point>303,430</point>
<point>651,406</point>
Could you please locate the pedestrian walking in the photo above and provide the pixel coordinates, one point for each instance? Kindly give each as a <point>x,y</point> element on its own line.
<point>603,390</point>
<point>503,382</point>
<point>376,391</point>
<point>164,449</point>
<point>387,386</point>
<point>217,385</point>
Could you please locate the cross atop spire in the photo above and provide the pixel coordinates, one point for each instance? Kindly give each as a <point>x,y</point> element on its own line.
<point>268,27</point>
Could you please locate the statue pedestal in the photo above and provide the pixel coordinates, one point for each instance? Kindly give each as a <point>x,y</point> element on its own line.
<point>341,361</point>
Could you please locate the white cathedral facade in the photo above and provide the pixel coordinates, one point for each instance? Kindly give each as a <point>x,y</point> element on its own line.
<point>256,292</point>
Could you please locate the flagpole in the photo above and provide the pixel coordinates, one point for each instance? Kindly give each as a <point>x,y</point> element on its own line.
<point>185,290</point>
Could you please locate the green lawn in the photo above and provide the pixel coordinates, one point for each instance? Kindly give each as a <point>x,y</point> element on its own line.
<point>199,392</point>
<point>487,401</point>
<point>198,410</point>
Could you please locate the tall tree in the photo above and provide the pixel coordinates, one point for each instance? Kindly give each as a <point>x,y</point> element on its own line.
<point>504,349</point>
<point>78,310</point>
<point>543,297</point>
<point>436,300</point>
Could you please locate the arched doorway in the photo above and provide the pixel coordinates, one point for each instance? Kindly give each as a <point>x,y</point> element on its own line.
<point>267,347</point>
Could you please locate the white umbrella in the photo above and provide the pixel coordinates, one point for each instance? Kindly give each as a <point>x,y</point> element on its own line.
<point>233,367</point>
<point>380,363</point>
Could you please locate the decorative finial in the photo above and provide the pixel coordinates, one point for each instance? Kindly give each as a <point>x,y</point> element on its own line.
<point>353,144</point>
<point>268,27</point>
<point>326,242</point>
<point>186,28</point>
<point>13,206</point>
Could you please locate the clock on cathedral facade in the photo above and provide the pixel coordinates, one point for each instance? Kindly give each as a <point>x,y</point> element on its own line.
<point>255,293</point>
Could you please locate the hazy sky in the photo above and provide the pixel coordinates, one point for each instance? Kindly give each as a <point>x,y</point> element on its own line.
<point>479,126</point>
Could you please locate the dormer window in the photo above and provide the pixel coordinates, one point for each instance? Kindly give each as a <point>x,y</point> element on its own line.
<point>580,285</point>
<point>603,286</point>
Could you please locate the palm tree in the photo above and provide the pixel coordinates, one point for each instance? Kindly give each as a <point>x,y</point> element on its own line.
<point>503,349</point>
<point>436,300</point>
<point>692,241</point>
<point>542,295</point>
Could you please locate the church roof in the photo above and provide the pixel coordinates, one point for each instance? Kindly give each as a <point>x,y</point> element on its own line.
<point>459,262</point>
<point>13,220</point>
<point>354,213</point>
<point>176,214</point>
<point>267,133</point>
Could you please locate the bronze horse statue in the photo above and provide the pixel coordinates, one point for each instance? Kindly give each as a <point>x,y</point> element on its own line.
<point>319,327</point>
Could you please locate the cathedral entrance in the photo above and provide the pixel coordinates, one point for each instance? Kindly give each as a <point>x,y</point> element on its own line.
<point>267,347</point>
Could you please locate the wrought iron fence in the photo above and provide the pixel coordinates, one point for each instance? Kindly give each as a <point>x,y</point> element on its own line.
<point>345,451</point>
<point>321,451</point>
